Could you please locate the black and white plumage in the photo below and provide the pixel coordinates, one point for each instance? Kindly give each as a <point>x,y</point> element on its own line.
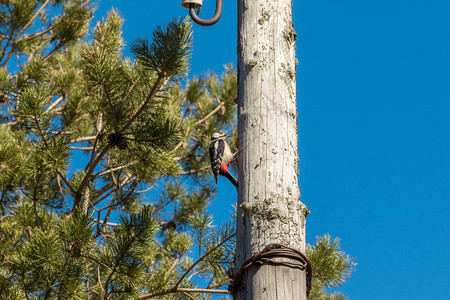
<point>221,157</point>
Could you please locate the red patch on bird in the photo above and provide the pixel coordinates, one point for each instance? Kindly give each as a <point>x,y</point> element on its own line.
<point>224,168</point>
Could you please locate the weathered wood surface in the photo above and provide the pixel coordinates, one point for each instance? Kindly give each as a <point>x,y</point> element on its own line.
<point>269,207</point>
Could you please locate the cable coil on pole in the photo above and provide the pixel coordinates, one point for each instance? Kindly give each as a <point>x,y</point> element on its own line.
<point>197,4</point>
<point>267,256</point>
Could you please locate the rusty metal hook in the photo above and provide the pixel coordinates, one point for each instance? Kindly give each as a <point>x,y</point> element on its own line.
<point>209,22</point>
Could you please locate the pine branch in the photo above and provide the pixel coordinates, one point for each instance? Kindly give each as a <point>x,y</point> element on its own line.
<point>81,148</point>
<point>4,164</point>
<point>62,44</point>
<point>12,123</point>
<point>196,273</point>
<point>83,139</point>
<point>38,219</point>
<point>66,181</point>
<point>193,171</point>
<point>50,54</point>
<point>204,119</point>
<point>32,19</point>
<point>183,290</point>
<point>103,189</point>
<point>97,137</point>
<point>115,168</point>
<point>38,34</point>
<point>58,180</point>
<point>10,38</point>
<point>174,264</point>
<point>95,260</point>
<point>108,98</point>
<point>213,286</point>
<point>215,110</point>
<point>331,267</point>
<point>187,295</point>
<point>111,206</point>
<point>92,164</point>
<point>54,104</point>
<point>116,264</point>
<point>132,87</point>
<point>145,103</point>
<point>23,30</point>
<point>140,222</point>
<point>201,258</point>
<point>41,133</point>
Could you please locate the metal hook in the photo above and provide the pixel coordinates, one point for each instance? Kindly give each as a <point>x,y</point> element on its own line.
<point>209,22</point>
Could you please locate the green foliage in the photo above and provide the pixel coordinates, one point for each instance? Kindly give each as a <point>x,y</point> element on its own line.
<point>86,133</point>
<point>47,261</point>
<point>121,256</point>
<point>331,267</point>
<point>169,51</point>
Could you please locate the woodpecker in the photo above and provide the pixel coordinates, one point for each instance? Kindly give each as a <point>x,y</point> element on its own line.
<point>221,157</point>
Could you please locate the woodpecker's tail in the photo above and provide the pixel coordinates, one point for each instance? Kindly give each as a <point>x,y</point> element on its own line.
<point>230,178</point>
<point>215,178</point>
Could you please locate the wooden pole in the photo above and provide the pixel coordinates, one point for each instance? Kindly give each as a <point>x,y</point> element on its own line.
<point>269,210</point>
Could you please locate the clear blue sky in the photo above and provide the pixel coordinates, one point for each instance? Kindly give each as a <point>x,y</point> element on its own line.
<point>374,116</point>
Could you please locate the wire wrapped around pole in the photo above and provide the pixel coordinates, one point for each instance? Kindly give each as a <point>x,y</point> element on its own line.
<point>267,256</point>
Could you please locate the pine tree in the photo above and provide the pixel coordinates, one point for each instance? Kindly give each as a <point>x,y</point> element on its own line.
<point>96,151</point>
<point>331,267</point>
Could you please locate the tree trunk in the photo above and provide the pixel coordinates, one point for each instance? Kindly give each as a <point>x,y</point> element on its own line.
<point>269,208</point>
